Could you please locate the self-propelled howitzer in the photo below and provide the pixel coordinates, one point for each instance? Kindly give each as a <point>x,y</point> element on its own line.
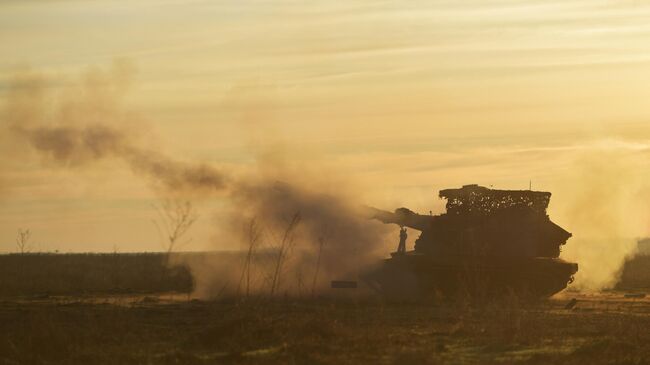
<point>489,241</point>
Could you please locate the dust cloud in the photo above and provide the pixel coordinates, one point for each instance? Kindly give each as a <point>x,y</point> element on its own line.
<point>307,230</point>
<point>332,237</point>
<point>605,205</point>
<point>298,237</point>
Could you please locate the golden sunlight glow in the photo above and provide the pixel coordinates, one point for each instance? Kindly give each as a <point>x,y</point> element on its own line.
<point>400,98</point>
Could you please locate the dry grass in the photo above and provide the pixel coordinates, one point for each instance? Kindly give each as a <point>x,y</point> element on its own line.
<point>603,328</point>
<point>318,332</point>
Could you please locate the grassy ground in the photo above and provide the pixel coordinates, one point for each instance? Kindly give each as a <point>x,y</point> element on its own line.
<point>599,330</point>
<point>99,309</point>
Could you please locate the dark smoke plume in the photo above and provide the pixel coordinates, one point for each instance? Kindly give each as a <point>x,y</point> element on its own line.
<point>71,141</point>
<point>350,237</point>
<point>69,146</point>
<point>333,238</point>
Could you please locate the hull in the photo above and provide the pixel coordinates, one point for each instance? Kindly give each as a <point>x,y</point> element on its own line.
<point>415,276</point>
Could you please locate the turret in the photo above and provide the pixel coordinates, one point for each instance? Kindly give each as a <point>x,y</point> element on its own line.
<point>483,220</point>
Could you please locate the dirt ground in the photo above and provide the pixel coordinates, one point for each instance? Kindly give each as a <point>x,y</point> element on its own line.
<point>602,328</point>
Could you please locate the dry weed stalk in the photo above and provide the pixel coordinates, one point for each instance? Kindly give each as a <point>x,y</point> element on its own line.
<point>22,240</point>
<point>176,219</point>
<point>254,233</point>
<point>321,243</point>
<point>283,249</point>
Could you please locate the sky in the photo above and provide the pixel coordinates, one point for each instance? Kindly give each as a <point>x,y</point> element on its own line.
<point>397,99</point>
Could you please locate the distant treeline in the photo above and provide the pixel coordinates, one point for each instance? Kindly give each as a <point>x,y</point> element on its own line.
<point>37,274</point>
<point>73,274</point>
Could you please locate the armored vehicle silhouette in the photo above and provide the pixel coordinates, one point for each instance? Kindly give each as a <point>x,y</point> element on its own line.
<point>488,242</point>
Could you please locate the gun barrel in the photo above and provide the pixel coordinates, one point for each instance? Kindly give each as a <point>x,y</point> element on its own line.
<point>402,217</point>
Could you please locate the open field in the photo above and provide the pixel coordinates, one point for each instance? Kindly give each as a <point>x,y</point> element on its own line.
<point>601,329</point>
<point>72,274</point>
<point>139,327</point>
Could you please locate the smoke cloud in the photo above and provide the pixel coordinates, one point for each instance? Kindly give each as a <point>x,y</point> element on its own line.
<point>605,206</point>
<point>329,237</point>
<point>302,225</point>
<point>330,240</point>
<point>80,130</point>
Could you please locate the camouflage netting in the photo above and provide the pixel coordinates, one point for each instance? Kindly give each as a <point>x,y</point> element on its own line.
<point>481,200</point>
